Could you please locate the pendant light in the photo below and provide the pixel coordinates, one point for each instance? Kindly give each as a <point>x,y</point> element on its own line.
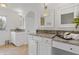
<point>45,10</point>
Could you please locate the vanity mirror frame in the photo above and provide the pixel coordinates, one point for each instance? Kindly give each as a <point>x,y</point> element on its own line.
<point>65,10</point>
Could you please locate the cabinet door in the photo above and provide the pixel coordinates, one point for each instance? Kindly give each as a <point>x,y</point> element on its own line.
<point>44,46</point>
<point>20,38</point>
<point>75,49</point>
<point>32,46</point>
<point>61,45</point>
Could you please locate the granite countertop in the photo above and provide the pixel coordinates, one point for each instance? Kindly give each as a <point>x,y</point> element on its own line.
<point>56,38</point>
<point>44,35</point>
<point>73,42</point>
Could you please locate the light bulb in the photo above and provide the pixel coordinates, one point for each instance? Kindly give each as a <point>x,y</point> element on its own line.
<point>45,13</point>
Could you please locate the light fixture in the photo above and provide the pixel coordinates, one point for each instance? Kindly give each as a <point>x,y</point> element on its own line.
<point>45,10</point>
<point>3,5</point>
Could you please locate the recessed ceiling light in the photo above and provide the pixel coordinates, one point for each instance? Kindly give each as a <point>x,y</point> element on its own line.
<point>3,5</point>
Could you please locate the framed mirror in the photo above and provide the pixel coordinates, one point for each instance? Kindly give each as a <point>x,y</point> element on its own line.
<point>2,22</point>
<point>67,18</point>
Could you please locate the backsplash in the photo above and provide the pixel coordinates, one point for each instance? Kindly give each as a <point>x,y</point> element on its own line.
<point>58,32</point>
<point>46,31</point>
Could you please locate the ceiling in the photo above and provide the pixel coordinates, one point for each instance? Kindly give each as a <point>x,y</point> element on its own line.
<point>24,7</point>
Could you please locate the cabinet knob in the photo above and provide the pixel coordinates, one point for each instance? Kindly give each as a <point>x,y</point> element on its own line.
<point>70,48</point>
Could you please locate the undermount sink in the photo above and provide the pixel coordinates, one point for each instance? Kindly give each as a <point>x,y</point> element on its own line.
<point>76,42</point>
<point>46,35</point>
<point>60,39</point>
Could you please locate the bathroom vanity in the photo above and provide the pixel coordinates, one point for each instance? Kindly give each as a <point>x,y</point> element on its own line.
<point>40,44</point>
<point>18,37</point>
<point>51,44</point>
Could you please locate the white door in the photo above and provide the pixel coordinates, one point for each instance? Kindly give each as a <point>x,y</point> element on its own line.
<point>44,46</point>
<point>32,46</point>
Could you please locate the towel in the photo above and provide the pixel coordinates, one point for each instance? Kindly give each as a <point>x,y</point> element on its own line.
<point>67,35</point>
<point>75,36</point>
<point>71,35</point>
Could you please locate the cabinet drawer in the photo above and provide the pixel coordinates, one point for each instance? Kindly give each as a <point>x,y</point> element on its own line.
<point>62,46</point>
<point>66,47</point>
<point>75,49</point>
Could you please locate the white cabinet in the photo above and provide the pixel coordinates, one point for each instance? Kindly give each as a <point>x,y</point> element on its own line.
<point>39,45</point>
<point>75,49</point>
<point>18,38</point>
<point>61,45</point>
<point>32,45</point>
<point>66,47</point>
<point>4,35</point>
<point>44,46</point>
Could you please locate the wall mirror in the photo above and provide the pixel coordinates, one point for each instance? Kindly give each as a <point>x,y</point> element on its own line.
<point>67,18</point>
<point>2,22</point>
